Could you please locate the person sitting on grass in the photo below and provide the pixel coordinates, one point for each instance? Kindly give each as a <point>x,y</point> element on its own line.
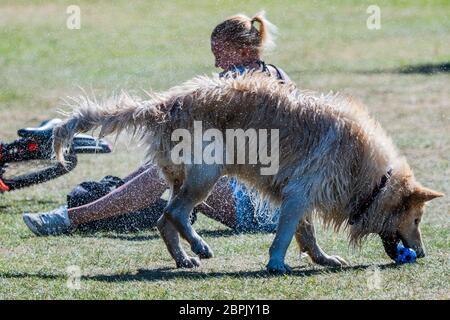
<point>237,44</point>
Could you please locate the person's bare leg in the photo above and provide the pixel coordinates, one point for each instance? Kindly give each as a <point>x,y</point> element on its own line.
<point>142,189</point>
<point>220,204</point>
<point>138,193</point>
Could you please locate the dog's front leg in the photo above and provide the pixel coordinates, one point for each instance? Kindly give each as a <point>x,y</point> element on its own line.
<point>306,240</point>
<point>292,210</point>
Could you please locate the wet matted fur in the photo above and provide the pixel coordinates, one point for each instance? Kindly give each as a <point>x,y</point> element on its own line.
<point>332,155</point>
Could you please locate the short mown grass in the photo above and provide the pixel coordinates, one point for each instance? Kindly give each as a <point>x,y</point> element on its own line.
<point>138,45</point>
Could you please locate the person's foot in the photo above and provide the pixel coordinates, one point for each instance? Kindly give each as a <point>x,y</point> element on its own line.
<point>52,223</point>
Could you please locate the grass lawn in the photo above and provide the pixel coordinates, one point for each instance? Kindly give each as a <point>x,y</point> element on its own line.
<point>134,45</point>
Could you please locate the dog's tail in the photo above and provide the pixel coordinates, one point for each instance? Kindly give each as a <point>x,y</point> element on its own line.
<point>112,115</point>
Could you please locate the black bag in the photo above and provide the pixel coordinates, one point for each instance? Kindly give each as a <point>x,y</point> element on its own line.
<point>90,191</point>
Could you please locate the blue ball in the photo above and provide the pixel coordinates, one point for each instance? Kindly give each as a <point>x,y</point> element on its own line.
<point>405,255</point>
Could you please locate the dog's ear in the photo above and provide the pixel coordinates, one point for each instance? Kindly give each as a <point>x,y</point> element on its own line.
<point>422,194</point>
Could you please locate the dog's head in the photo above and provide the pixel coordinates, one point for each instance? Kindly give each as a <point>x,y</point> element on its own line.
<point>404,213</point>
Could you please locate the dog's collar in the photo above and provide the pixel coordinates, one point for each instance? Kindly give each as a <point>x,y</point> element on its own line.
<point>363,206</point>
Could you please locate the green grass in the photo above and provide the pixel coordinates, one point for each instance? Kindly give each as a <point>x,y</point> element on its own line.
<point>322,45</point>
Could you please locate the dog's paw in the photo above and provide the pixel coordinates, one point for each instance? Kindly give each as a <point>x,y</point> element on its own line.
<point>203,250</point>
<point>332,261</point>
<point>188,263</point>
<point>278,267</point>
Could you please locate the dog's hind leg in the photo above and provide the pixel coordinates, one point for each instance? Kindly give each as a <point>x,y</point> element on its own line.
<point>306,239</point>
<point>200,179</point>
<point>172,240</point>
<point>294,206</point>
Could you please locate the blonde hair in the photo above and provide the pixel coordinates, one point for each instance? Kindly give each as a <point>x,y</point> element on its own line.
<point>240,31</point>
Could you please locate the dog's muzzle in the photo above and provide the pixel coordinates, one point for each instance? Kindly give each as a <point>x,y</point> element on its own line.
<point>390,243</point>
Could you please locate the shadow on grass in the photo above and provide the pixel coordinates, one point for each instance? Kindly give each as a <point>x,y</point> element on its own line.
<point>167,274</point>
<point>130,236</point>
<point>426,68</point>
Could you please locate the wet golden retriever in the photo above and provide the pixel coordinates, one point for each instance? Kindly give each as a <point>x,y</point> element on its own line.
<point>334,160</point>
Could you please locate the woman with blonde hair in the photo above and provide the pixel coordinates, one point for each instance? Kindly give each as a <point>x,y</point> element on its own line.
<point>237,44</point>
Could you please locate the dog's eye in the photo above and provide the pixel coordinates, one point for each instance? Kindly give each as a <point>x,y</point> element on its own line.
<point>417,221</point>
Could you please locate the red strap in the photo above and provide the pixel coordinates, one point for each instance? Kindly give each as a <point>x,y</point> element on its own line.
<point>3,186</point>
